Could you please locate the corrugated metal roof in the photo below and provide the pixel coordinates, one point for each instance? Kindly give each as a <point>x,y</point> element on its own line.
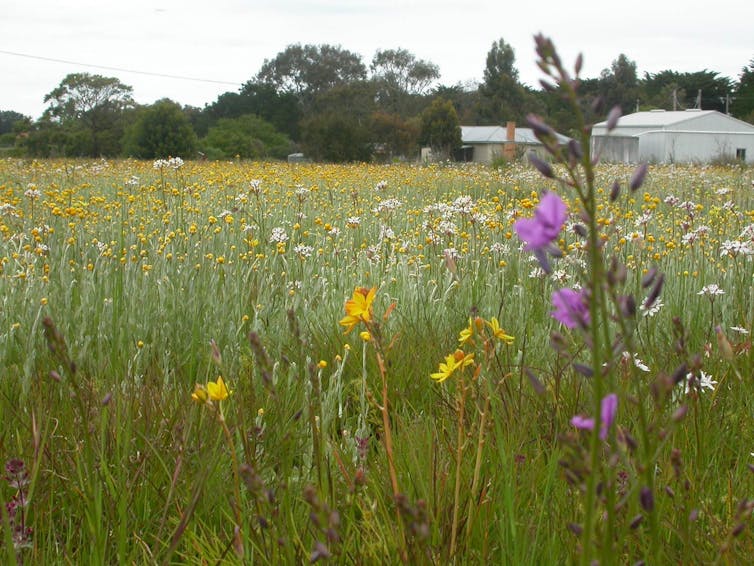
<point>659,118</point>
<point>497,135</point>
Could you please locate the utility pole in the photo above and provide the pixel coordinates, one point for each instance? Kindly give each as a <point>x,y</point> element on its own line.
<point>699,100</point>
<point>675,99</point>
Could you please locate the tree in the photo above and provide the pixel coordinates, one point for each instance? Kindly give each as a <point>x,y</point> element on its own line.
<point>399,75</point>
<point>89,108</point>
<point>308,70</point>
<point>619,85</point>
<point>394,136</point>
<point>503,97</point>
<point>440,129</point>
<point>743,103</point>
<point>337,125</point>
<point>247,136</point>
<point>336,137</point>
<point>671,89</point>
<point>161,130</point>
<point>7,119</point>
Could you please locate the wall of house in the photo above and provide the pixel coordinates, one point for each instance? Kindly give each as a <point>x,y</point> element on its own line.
<point>694,147</point>
<point>616,149</point>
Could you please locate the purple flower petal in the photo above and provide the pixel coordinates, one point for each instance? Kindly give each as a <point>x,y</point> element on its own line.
<point>544,228</point>
<point>582,423</point>
<point>571,308</point>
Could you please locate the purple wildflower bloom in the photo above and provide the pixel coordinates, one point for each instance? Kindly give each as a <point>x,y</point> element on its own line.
<point>541,230</point>
<point>609,408</point>
<point>571,307</point>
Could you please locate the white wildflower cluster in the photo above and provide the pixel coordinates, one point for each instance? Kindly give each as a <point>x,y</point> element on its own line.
<point>722,191</point>
<point>537,273</point>
<point>255,185</point>
<point>447,228</point>
<point>353,221</point>
<point>479,218</point>
<point>171,163</point>
<point>711,290</point>
<point>729,205</point>
<point>133,181</point>
<point>451,253</point>
<point>441,209</point>
<point>560,276</point>
<point>225,213</point>
<point>387,205</point>
<point>8,208</point>
<point>380,186</point>
<point>499,248</point>
<point>32,192</point>
<point>643,219</point>
<point>739,329</point>
<point>301,193</point>
<point>463,205</point>
<point>333,231</point>
<point>278,236</point>
<point>693,235</point>
<point>733,248</point>
<point>672,200</point>
<point>386,233</point>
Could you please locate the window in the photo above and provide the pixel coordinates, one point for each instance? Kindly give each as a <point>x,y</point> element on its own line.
<point>741,153</point>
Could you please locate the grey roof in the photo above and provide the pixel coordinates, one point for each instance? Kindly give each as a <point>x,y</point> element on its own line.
<point>659,118</point>
<point>497,135</point>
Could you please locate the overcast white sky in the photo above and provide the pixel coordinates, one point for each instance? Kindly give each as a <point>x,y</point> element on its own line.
<point>228,40</point>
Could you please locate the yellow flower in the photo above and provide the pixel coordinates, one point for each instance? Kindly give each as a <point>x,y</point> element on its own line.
<point>466,334</point>
<point>498,332</point>
<point>217,390</point>
<point>200,394</point>
<point>457,360</point>
<point>365,336</point>
<point>359,308</point>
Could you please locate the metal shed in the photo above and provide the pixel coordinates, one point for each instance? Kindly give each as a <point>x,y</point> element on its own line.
<point>686,136</point>
<point>482,144</point>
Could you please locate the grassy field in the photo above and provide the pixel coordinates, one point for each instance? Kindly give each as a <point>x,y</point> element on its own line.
<point>130,289</point>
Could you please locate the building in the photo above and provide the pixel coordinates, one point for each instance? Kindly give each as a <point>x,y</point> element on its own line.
<point>483,144</point>
<point>686,136</point>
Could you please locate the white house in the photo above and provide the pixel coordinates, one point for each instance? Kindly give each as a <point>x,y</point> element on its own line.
<point>686,136</point>
<point>482,144</point>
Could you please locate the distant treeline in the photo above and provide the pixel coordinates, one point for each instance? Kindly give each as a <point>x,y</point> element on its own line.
<point>324,101</point>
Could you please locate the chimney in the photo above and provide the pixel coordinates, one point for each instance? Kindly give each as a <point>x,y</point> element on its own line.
<point>509,149</point>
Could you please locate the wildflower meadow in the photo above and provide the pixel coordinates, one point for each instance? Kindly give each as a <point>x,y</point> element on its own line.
<point>263,363</point>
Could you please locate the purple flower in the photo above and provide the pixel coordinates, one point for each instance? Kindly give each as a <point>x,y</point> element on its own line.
<point>541,230</point>
<point>571,307</point>
<point>609,407</point>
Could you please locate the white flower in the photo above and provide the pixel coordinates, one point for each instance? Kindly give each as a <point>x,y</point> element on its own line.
<point>353,221</point>
<point>712,290</point>
<point>303,251</point>
<point>739,329</point>
<point>653,310</point>
<point>637,362</point>
<point>703,381</point>
<point>381,185</point>
<point>278,236</point>
<point>451,253</point>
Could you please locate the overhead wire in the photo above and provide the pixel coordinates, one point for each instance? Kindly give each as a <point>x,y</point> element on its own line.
<point>119,69</point>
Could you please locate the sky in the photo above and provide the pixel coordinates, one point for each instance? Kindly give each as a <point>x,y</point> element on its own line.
<point>225,42</point>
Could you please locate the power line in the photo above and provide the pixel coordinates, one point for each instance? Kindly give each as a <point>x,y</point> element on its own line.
<point>120,69</point>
